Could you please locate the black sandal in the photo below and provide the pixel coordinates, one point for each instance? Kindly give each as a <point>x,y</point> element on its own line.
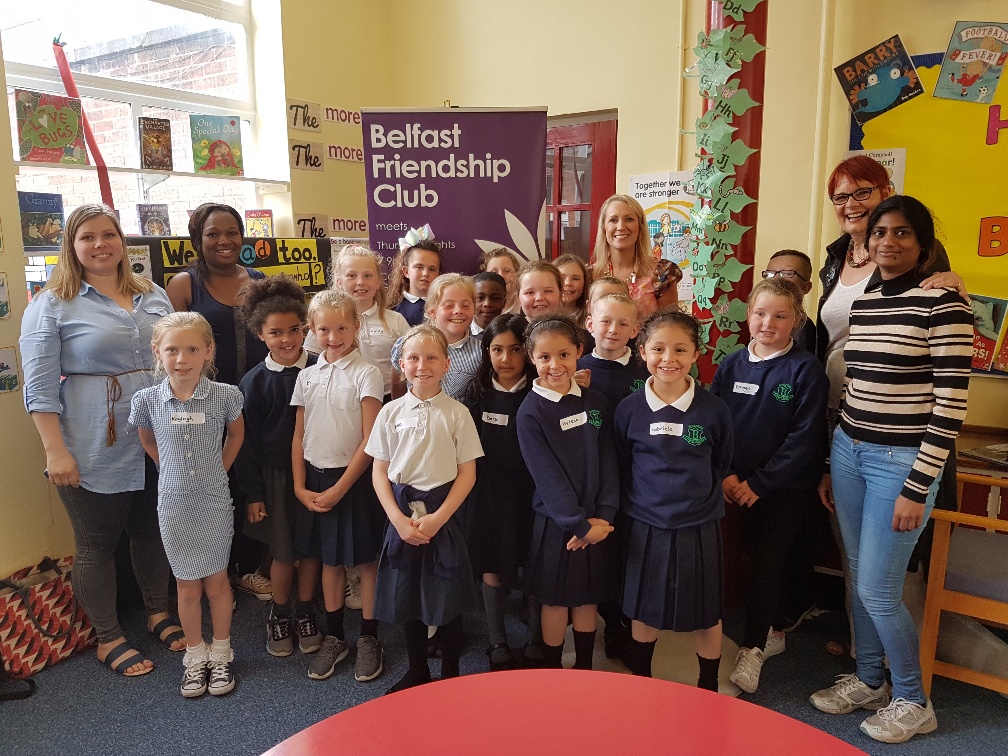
<point>164,633</point>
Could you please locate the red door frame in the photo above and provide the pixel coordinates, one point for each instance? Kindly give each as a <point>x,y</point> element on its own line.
<point>602,136</point>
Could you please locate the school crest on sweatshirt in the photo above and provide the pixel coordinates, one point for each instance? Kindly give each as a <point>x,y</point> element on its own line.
<point>595,418</point>
<point>783,393</point>
<point>694,435</point>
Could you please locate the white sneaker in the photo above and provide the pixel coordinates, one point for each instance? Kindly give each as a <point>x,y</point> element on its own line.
<point>748,664</point>
<point>774,644</point>
<point>900,721</point>
<point>849,694</point>
<point>352,596</point>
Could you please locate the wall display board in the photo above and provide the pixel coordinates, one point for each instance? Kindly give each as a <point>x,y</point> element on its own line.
<point>476,176</point>
<point>306,260</point>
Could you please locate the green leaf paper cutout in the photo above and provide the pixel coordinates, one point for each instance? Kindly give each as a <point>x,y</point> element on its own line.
<point>730,198</point>
<point>725,345</point>
<point>733,155</point>
<point>747,47</point>
<point>731,235</point>
<point>740,102</point>
<point>736,8</point>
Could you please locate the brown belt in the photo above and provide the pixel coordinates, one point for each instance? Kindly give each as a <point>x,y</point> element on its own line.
<point>113,393</point>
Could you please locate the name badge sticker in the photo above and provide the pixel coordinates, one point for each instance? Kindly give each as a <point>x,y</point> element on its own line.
<point>405,422</point>
<point>666,429</point>
<point>745,388</point>
<point>188,418</point>
<point>376,331</point>
<point>492,418</point>
<point>573,421</point>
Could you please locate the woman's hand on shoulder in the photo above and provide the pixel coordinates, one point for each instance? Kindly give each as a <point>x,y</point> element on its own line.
<point>907,515</point>
<point>62,468</point>
<point>946,280</point>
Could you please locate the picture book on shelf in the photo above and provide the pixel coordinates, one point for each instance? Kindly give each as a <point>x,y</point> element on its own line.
<point>49,128</point>
<point>155,144</point>
<point>216,144</point>
<point>153,220</point>
<point>259,223</point>
<point>41,221</point>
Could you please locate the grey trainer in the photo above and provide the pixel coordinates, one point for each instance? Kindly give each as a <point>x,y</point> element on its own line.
<point>278,636</point>
<point>331,653</point>
<point>849,694</point>
<point>369,658</point>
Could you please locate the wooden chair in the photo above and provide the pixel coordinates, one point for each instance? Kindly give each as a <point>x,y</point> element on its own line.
<point>969,576</point>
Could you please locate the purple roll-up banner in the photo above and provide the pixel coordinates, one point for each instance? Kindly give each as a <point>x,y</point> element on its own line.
<point>477,176</point>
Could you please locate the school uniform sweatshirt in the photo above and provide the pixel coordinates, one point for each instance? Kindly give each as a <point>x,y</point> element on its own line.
<point>778,411</point>
<point>613,379</point>
<point>569,450</point>
<point>673,460</point>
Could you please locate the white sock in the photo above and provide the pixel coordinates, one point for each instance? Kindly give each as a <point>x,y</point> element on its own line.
<point>195,654</point>
<point>221,649</point>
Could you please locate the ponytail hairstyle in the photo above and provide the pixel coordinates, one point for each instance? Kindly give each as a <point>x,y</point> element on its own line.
<point>780,287</point>
<point>398,280</point>
<point>504,323</point>
<point>334,299</point>
<point>365,253</point>
<point>561,324</point>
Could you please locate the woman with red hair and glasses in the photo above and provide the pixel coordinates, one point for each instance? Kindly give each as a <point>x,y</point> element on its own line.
<point>856,187</point>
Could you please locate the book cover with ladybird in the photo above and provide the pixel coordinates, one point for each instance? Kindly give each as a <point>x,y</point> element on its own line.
<point>216,144</point>
<point>155,144</point>
<point>49,128</point>
<point>153,220</point>
<point>259,223</point>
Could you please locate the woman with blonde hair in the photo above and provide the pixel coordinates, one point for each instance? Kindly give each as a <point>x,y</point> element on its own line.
<point>622,250</point>
<point>92,325</point>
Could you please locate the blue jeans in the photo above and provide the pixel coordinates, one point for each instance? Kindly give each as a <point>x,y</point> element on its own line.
<point>867,479</point>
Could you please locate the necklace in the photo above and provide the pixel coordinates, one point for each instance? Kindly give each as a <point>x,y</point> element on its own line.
<point>633,273</point>
<point>855,261</point>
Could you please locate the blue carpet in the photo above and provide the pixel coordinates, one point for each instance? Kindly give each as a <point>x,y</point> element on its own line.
<point>82,708</point>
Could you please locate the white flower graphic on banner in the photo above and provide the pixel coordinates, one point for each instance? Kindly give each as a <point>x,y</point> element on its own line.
<point>523,243</point>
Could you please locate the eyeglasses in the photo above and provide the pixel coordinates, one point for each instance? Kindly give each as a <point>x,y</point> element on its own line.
<point>859,194</point>
<point>788,274</point>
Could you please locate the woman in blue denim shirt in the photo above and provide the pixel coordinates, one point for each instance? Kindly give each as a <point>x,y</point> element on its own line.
<point>85,348</point>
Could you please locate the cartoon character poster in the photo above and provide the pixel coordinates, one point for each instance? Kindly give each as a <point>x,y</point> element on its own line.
<point>49,128</point>
<point>879,79</point>
<point>974,61</point>
<point>667,199</point>
<point>9,379</point>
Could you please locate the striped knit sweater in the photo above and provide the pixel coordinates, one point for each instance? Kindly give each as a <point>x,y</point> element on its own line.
<point>908,365</point>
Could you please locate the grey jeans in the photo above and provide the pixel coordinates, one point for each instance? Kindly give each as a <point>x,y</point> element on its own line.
<point>98,522</point>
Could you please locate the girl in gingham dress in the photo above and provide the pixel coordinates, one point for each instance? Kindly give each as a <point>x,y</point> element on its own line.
<point>451,306</point>
<point>181,422</point>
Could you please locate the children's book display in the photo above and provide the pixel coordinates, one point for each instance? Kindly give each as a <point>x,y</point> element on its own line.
<point>49,128</point>
<point>153,220</point>
<point>216,144</point>
<point>155,144</point>
<point>41,221</point>
<point>259,223</point>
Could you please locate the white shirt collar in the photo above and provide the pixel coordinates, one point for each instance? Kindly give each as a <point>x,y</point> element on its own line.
<point>461,342</point>
<point>413,401</point>
<point>341,363</point>
<point>656,403</point>
<point>753,357</point>
<point>371,311</point>
<point>514,389</point>
<point>410,297</point>
<point>276,367</point>
<point>552,395</point>
<point>624,360</point>
<point>474,329</point>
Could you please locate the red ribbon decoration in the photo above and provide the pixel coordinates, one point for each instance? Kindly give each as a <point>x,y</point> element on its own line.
<point>104,184</point>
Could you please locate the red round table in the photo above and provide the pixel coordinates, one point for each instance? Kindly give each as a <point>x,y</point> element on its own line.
<point>568,711</point>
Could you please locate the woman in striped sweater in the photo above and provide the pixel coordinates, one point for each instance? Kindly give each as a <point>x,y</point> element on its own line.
<point>908,361</point>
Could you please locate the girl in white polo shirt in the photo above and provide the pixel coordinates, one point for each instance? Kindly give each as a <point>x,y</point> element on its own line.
<point>425,448</point>
<point>337,400</point>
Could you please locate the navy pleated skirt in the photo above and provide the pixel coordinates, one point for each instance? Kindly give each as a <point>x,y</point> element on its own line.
<point>672,579</point>
<point>277,528</point>
<point>413,586</point>
<point>348,534</point>
<point>558,577</point>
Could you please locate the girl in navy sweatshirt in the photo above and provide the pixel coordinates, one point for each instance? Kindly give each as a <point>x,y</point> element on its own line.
<point>275,311</point>
<point>567,443</point>
<point>675,445</point>
<point>777,395</point>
